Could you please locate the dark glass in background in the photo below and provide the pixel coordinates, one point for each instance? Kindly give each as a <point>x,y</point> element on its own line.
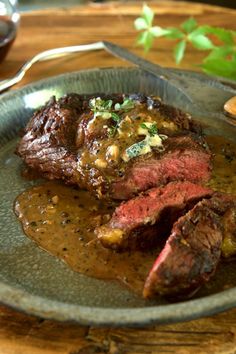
<point>9,19</point>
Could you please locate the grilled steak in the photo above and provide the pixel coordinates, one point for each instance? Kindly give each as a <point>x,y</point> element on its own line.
<point>143,221</point>
<point>114,146</point>
<point>183,160</point>
<point>193,250</point>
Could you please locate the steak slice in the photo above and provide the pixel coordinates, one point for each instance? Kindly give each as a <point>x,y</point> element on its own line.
<point>142,221</point>
<point>184,160</point>
<point>66,140</point>
<point>192,252</point>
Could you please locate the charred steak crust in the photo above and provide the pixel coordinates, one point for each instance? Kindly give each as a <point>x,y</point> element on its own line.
<point>193,250</point>
<point>142,221</point>
<point>61,142</point>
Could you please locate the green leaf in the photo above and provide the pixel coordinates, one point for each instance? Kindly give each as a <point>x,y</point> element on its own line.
<point>115,117</point>
<point>140,24</point>
<point>179,51</point>
<point>142,38</point>
<point>145,39</point>
<point>127,105</point>
<point>97,104</point>
<point>152,129</point>
<point>157,31</point>
<point>226,36</point>
<point>220,67</point>
<point>174,33</point>
<point>148,42</point>
<point>107,105</point>
<point>200,41</point>
<point>221,52</point>
<point>220,59</point>
<point>147,14</point>
<point>189,25</point>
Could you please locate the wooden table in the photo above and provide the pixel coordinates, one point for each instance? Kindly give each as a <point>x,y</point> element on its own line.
<point>22,334</point>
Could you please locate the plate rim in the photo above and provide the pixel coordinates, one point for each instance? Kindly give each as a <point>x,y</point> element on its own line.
<point>40,306</point>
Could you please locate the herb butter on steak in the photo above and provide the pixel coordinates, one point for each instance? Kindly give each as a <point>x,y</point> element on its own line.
<point>115,145</point>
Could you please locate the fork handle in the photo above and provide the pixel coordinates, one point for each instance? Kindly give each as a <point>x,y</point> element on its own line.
<point>48,55</point>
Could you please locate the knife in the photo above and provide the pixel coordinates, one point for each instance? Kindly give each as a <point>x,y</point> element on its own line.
<point>200,95</point>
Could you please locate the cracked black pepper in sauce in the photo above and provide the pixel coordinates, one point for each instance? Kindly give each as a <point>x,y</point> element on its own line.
<point>61,220</point>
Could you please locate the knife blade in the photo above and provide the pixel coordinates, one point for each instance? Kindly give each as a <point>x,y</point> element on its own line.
<point>202,96</point>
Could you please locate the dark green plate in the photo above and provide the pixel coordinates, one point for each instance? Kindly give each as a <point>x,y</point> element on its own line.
<point>35,282</point>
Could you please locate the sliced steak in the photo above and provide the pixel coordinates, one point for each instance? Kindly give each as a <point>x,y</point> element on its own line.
<point>144,220</point>
<point>192,252</point>
<point>66,140</point>
<point>185,159</point>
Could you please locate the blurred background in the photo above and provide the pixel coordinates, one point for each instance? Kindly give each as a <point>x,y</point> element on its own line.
<point>26,5</point>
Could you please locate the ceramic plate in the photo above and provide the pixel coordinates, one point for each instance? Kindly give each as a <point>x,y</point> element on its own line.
<point>35,282</point>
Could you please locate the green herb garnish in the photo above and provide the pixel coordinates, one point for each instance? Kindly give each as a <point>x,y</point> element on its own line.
<point>115,117</point>
<point>112,130</point>
<point>100,107</point>
<point>152,129</point>
<point>103,108</point>
<point>221,58</point>
<point>127,105</point>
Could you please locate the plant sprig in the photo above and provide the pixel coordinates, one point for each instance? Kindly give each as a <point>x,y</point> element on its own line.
<point>127,105</point>
<point>152,129</point>
<point>105,110</point>
<point>221,58</point>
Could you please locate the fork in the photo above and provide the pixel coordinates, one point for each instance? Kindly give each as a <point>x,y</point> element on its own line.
<point>157,70</point>
<point>199,95</point>
<point>47,55</point>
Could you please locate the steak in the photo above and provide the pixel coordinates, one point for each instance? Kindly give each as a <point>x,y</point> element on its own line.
<point>192,252</point>
<point>184,160</point>
<point>68,140</point>
<point>142,221</point>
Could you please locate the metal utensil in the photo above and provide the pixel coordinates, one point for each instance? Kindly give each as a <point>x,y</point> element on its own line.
<point>200,96</point>
<point>47,55</point>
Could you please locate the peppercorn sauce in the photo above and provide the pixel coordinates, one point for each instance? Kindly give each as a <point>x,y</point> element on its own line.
<point>62,219</point>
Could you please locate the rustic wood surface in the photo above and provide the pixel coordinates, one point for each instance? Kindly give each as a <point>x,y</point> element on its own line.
<point>46,29</point>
